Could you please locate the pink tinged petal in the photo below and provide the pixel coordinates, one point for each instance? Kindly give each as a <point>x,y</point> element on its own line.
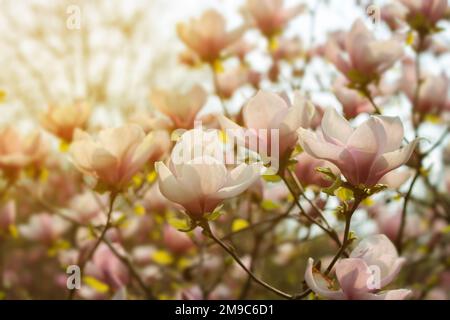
<point>392,160</point>
<point>335,128</point>
<point>356,44</point>
<point>260,110</point>
<point>393,128</point>
<point>144,151</point>
<point>105,166</point>
<point>299,114</point>
<point>205,175</point>
<point>377,250</point>
<point>318,287</point>
<point>319,149</point>
<point>172,189</point>
<point>381,55</point>
<point>395,179</point>
<point>335,55</point>
<point>121,141</point>
<point>370,137</point>
<point>81,152</point>
<point>353,275</point>
<point>239,179</point>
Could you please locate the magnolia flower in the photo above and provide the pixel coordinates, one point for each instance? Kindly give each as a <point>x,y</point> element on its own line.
<point>433,92</point>
<point>305,170</point>
<point>176,241</point>
<point>394,15</point>
<point>230,81</point>
<point>18,152</point>
<point>44,227</point>
<point>62,121</point>
<point>372,265</point>
<point>424,14</point>
<point>197,178</point>
<point>270,16</point>
<point>106,267</point>
<point>207,36</point>
<point>181,108</point>
<point>7,217</point>
<point>363,155</point>
<point>85,207</point>
<point>353,103</point>
<point>268,111</point>
<point>115,156</point>
<point>388,223</point>
<point>364,58</point>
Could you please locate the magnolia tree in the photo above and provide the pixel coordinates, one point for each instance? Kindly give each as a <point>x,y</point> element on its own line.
<point>284,196</point>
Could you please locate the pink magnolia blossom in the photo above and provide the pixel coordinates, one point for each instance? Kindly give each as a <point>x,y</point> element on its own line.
<point>305,170</point>
<point>207,35</point>
<point>181,108</point>
<point>363,58</point>
<point>18,152</point>
<point>115,156</point>
<point>85,208</point>
<point>372,265</point>
<point>388,223</point>
<point>197,178</point>
<point>353,103</point>
<point>176,241</point>
<point>62,121</point>
<point>44,228</point>
<point>427,12</point>
<point>394,14</point>
<point>363,155</point>
<point>230,81</point>
<point>270,16</point>
<point>267,111</point>
<point>433,93</point>
<point>107,267</point>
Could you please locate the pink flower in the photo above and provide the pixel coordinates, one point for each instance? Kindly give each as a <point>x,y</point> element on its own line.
<point>363,155</point>
<point>305,170</point>
<point>207,35</point>
<point>425,13</point>
<point>18,152</point>
<point>372,265</point>
<point>181,108</point>
<point>389,223</point>
<point>363,58</point>
<point>270,16</point>
<point>106,267</point>
<point>115,156</point>
<point>394,15</point>
<point>197,179</point>
<point>44,227</point>
<point>176,241</point>
<point>433,92</point>
<point>62,121</point>
<point>230,81</point>
<point>267,111</point>
<point>85,207</point>
<point>353,103</point>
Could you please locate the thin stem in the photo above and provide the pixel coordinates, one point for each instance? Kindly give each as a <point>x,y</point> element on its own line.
<point>330,232</point>
<point>399,238</point>
<point>208,231</point>
<point>91,253</point>
<point>369,97</point>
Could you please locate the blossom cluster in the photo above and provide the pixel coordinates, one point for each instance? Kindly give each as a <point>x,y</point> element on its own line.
<point>283,195</point>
